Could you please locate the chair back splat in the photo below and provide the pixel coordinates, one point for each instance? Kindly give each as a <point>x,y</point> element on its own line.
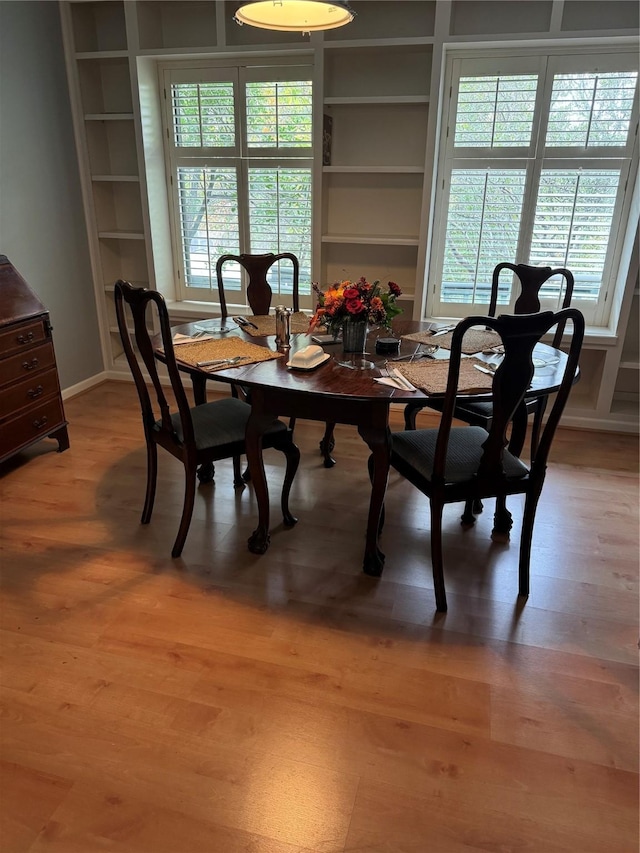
<point>259,293</point>
<point>531,280</point>
<point>196,435</point>
<point>465,464</point>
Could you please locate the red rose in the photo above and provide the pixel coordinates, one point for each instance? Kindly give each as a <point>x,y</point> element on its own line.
<point>395,290</point>
<point>355,306</point>
<point>351,293</point>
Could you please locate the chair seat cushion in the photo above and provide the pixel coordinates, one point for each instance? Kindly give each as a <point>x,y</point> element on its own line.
<point>417,449</point>
<point>220,423</point>
<point>483,410</point>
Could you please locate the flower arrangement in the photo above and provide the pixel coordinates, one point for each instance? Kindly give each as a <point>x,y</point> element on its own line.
<point>350,302</point>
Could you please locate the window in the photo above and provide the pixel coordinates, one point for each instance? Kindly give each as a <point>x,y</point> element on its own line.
<point>536,158</point>
<point>240,159</point>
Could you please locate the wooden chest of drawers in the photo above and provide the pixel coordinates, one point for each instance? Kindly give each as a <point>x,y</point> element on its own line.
<point>30,400</point>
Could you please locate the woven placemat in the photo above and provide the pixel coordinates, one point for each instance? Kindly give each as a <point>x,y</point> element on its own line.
<point>475,340</point>
<point>267,325</point>
<point>226,348</point>
<point>431,376</point>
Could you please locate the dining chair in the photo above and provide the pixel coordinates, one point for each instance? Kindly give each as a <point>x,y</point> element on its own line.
<point>479,413</point>
<point>466,463</point>
<point>259,297</point>
<point>531,280</point>
<point>196,435</point>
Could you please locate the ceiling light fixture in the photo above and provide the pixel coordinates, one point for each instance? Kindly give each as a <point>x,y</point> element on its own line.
<point>295,15</point>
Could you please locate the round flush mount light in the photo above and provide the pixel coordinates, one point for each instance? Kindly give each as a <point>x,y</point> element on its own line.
<point>295,15</point>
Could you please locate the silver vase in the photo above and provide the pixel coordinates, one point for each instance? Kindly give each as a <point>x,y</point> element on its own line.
<point>354,335</point>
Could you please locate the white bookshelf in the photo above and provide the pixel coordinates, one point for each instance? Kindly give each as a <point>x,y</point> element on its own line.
<point>379,79</point>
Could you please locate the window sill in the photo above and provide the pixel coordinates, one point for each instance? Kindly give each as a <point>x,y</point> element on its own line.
<point>195,310</point>
<point>595,336</point>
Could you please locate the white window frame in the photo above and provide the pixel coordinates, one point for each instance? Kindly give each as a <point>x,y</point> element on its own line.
<point>239,157</point>
<point>518,61</point>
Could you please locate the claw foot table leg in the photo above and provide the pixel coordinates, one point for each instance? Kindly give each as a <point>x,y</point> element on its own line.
<point>259,540</point>
<point>258,422</point>
<point>327,444</point>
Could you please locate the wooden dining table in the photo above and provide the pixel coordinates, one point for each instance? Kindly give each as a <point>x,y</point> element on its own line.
<point>331,393</point>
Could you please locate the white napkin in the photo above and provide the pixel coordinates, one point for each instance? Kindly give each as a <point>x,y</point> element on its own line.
<point>402,381</point>
<point>187,339</point>
<point>385,380</point>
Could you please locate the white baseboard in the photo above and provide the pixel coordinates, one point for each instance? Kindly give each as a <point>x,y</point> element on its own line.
<point>600,424</point>
<point>85,385</point>
<point>118,376</point>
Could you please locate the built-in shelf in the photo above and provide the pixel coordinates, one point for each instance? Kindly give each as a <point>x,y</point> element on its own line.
<point>379,43</point>
<point>377,137</point>
<point>111,147</point>
<point>387,100</point>
<point>172,23</point>
<point>401,21</point>
<point>626,407</point>
<point>99,28</point>
<point>121,235</point>
<point>105,84</point>
<point>108,117</point>
<point>370,239</point>
<point>391,170</point>
<point>115,178</point>
<point>377,103</point>
<point>391,75</point>
<point>102,54</point>
<point>109,288</point>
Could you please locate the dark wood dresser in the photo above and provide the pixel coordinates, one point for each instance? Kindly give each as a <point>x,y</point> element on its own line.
<point>30,400</point>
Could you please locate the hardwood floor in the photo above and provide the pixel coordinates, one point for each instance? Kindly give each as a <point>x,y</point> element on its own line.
<point>227,702</point>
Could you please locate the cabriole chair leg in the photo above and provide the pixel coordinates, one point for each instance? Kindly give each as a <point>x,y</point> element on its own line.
<point>152,477</point>
<point>206,473</point>
<point>436,556</point>
<point>187,511</point>
<point>292,454</point>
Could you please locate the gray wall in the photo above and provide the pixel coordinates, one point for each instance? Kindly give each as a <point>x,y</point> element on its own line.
<point>42,229</point>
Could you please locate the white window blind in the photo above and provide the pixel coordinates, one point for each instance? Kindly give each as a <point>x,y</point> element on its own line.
<point>240,155</point>
<point>536,153</point>
<point>279,114</point>
<point>591,109</point>
<point>209,220</point>
<point>572,225</point>
<point>495,111</point>
<point>280,209</point>
<point>485,208</point>
<point>203,115</point>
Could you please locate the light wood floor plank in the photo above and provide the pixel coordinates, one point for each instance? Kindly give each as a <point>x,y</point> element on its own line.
<point>286,703</point>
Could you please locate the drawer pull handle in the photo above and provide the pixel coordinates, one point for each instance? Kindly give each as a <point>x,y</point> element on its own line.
<point>25,339</point>
<point>35,392</point>
<point>41,423</point>
<point>30,365</point>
